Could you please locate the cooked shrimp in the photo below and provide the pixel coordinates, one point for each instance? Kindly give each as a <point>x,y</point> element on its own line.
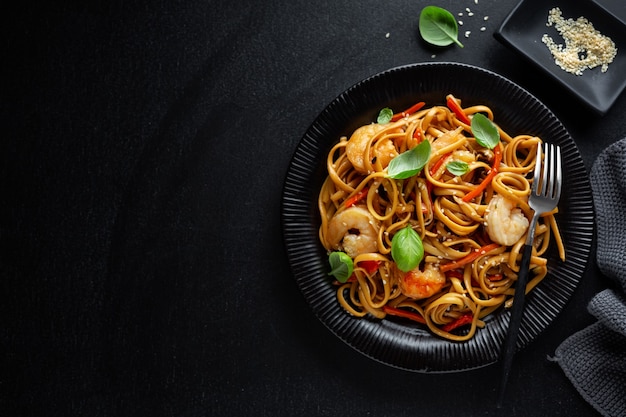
<point>384,151</point>
<point>353,230</point>
<point>357,149</point>
<point>419,284</point>
<point>506,224</point>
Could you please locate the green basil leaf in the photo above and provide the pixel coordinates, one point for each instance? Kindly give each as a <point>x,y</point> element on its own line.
<point>438,27</point>
<point>407,249</point>
<point>485,131</point>
<point>341,266</point>
<point>458,168</point>
<point>384,116</point>
<point>409,163</point>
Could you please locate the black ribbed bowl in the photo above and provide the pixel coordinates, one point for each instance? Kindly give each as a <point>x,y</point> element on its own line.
<point>393,341</point>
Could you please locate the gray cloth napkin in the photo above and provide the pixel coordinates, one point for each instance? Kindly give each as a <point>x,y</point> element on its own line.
<point>594,359</point>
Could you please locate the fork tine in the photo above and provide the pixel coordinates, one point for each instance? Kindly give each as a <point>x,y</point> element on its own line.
<point>547,169</point>
<point>559,174</point>
<point>537,175</point>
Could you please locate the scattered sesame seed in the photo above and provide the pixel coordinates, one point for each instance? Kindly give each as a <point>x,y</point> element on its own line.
<point>470,14</point>
<point>467,9</point>
<point>467,33</point>
<point>460,23</point>
<point>486,18</point>
<point>482,29</point>
<point>387,35</point>
<point>475,1</point>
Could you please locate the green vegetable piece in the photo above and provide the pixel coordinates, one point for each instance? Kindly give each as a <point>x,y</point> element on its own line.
<point>407,249</point>
<point>385,116</point>
<point>458,168</point>
<point>409,163</point>
<point>341,266</point>
<point>438,27</point>
<point>485,131</point>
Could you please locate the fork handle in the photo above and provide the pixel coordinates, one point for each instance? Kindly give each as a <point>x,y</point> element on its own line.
<point>514,322</point>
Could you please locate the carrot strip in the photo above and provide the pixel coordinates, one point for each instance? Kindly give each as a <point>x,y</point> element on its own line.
<point>438,164</point>
<point>468,258</point>
<point>408,111</point>
<point>453,105</point>
<point>492,173</point>
<point>356,198</point>
<point>460,321</point>
<point>404,313</point>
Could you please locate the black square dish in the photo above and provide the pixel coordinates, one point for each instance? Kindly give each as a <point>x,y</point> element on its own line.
<point>523,28</point>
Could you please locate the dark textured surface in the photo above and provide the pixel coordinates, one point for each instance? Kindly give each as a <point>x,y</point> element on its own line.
<point>595,358</point>
<point>143,152</point>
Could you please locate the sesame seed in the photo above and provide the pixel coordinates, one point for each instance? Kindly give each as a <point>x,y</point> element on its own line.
<point>467,33</point>
<point>585,47</point>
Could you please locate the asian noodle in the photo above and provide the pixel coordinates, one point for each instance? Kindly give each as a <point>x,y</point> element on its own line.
<point>472,224</point>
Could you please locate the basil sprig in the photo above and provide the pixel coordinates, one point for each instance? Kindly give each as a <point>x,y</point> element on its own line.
<point>341,266</point>
<point>438,27</point>
<point>384,116</point>
<point>410,162</point>
<point>458,168</point>
<point>407,249</point>
<point>485,131</point>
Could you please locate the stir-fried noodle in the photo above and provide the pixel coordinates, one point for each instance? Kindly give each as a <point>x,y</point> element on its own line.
<point>472,224</point>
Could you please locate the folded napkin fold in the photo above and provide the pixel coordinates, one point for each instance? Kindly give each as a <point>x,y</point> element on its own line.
<point>594,359</point>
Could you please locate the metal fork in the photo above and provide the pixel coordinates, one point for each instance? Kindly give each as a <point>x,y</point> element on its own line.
<point>544,197</point>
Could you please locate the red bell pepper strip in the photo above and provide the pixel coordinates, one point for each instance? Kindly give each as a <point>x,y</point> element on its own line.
<point>369,266</point>
<point>417,135</point>
<point>404,313</point>
<point>468,258</point>
<point>408,111</point>
<point>356,198</point>
<point>457,110</point>
<point>460,321</point>
<point>492,173</point>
